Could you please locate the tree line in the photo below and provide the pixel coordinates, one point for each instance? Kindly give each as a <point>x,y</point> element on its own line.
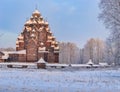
<point>94,49</point>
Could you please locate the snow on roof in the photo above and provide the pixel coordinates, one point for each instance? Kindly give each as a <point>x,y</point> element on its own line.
<point>40,51</point>
<point>57,64</point>
<point>56,51</point>
<point>80,65</point>
<point>29,22</point>
<point>57,47</point>
<point>15,52</point>
<point>41,60</point>
<point>1,53</point>
<point>36,12</point>
<point>5,57</point>
<point>42,48</point>
<point>90,62</point>
<point>21,52</point>
<point>20,36</point>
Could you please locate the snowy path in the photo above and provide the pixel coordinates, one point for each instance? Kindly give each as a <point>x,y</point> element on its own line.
<point>35,80</point>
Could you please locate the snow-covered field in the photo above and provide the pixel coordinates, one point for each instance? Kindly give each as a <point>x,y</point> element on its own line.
<point>56,80</point>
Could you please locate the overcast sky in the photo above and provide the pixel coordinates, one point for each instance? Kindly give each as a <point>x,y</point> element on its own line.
<point>70,20</point>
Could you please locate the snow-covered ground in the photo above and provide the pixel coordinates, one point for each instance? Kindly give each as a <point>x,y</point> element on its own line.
<point>56,80</point>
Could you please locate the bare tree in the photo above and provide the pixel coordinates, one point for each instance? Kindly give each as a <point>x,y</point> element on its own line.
<point>110,14</point>
<point>82,55</point>
<point>94,50</point>
<point>109,52</point>
<point>69,53</point>
<point>89,49</point>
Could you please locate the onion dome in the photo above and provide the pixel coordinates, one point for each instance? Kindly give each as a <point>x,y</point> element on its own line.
<point>49,32</point>
<point>53,42</point>
<point>49,37</point>
<point>17,45</point>
<point>56,48</point>
<point>42,21</point>
<point>53,37</point>
<point>20,37</point>
<point>47,29</point>
<point>17,42</point>
<point>28,22</point>
<point>41,17</point>
<point>28,28</point>
<point>36,13</point>
<point>46,23</point>
<point>56,43</point>
<point>31,17</point>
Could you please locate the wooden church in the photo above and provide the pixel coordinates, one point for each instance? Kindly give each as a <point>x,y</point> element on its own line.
<point>36,41</point>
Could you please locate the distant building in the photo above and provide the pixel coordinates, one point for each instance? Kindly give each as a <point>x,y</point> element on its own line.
<point>1,56</point>
<point>36,41</point>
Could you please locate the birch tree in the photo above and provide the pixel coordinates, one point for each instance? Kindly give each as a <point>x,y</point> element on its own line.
<point>69,53</point>
<point>89,50</point>
<point>94,50</point>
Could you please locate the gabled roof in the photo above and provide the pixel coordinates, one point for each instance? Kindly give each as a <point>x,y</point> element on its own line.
<point>5,56</point>
<point>41,60</point>
<point>1,53</point>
